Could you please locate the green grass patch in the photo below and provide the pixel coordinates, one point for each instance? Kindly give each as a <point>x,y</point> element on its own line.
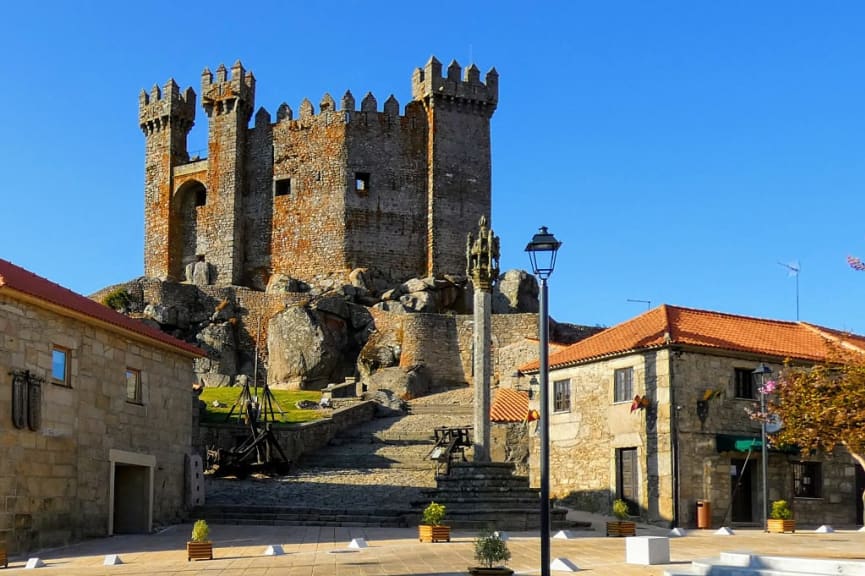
<point>286,399</point>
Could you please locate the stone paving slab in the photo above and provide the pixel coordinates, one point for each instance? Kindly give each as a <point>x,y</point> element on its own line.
<point>323,551</point>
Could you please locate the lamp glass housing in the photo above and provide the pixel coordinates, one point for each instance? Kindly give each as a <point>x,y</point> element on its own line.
<point>542,252</point>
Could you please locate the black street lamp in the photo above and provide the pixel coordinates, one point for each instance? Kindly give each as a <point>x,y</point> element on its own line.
<point>760,374</point>
<point>542,252</point>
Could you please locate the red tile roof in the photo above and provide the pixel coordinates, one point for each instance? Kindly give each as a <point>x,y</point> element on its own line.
<point>509,406</point>
<point>671,325</point>
<point>16,279</point>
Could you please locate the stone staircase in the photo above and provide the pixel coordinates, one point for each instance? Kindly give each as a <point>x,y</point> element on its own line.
<point>490,495</point>
<point>379,474</point>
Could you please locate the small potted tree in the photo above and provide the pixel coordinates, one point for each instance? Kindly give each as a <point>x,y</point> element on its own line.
<point>199,546</point>
<point>431,528</point>
<point>621,526</point>
<point>491,551</point>
<point>781,518</point>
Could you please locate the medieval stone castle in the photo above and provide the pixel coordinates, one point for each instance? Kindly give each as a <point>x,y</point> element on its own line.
<point>316,193</point>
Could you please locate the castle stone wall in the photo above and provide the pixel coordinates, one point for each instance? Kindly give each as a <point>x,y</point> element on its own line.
<point>317,193</point>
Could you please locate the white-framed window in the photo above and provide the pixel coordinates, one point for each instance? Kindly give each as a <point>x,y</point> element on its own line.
<point>562,396</point>
<point>60,358</point>
<point>623,385</point>
<point>133,386</point>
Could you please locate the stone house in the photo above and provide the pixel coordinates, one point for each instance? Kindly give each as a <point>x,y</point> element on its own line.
<point>656,411</point>
<point>96,417</point>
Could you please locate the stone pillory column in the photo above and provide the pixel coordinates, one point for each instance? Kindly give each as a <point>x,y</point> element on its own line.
<point>482,257</point>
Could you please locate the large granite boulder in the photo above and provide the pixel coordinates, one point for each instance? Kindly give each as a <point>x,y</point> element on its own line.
<point>304,348</point>
<point>515,292</point>
<point>219,340</point>
<point>405,383</point>
<point>381,350</point>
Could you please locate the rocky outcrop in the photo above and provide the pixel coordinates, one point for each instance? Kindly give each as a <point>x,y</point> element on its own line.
<point>313,332</point>
<point>428,295</point>
<point>516,292</point>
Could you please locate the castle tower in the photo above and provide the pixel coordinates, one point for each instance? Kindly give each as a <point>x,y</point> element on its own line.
<point>228,102</point>
<point>165,116</point>
<point>459,157</point>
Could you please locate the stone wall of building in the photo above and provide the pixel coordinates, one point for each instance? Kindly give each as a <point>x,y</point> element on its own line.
<point>584,441</point>
<point>54,481</point>
<point>317,193</point>
<point>706,474</point>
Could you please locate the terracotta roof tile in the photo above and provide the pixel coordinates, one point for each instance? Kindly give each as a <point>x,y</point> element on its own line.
<point>18,279</point>
<point>702,328</point>
<point>509,406</point>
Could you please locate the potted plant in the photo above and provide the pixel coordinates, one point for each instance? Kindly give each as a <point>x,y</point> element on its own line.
<point>621,526</point>
<point>491,551</point>
<point>781,518</point>
<point>199,546</point>
<point>4,559</point>
<point>431,528</point>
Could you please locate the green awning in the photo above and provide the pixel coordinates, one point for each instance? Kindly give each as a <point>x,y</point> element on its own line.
<point>733,443</point>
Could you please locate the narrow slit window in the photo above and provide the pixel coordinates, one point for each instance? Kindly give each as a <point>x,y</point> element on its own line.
<point>361,182</point>
<point>282,187</point>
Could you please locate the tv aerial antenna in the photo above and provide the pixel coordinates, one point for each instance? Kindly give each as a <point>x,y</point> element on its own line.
<point>648,303</point>
<point>793,269</point>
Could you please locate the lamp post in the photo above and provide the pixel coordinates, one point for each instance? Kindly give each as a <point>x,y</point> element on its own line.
<point>760,373</point>
<point>542,252</point>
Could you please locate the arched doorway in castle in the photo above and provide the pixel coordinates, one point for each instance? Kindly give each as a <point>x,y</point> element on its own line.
<point>190,200</point>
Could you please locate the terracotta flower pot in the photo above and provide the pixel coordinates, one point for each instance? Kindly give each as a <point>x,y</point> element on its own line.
<point>199,551</point>
<point>427,533</point>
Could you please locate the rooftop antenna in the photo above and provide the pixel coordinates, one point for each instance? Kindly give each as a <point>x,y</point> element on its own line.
<point>648,303</point>
<point>793,270</point>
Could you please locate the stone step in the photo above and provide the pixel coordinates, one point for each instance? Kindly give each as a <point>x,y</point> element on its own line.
<point>438,409</point>
<point>482,500</point>
<point>283,516</point>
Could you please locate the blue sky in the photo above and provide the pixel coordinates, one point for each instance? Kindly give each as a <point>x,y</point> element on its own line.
<point>680,150</point>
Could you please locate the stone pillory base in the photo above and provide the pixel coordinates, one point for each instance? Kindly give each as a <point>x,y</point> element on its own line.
<point>318,193</point>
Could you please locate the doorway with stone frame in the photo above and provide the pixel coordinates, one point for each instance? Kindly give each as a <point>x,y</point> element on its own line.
<point>628,479</point>
<point>130,487</point>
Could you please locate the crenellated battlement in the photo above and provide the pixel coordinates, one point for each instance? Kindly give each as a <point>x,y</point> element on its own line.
<point>324,186</point>
<point>428,82</point>
<point>347,109</point>
<point>222,93</point>
<point>165,106</point>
